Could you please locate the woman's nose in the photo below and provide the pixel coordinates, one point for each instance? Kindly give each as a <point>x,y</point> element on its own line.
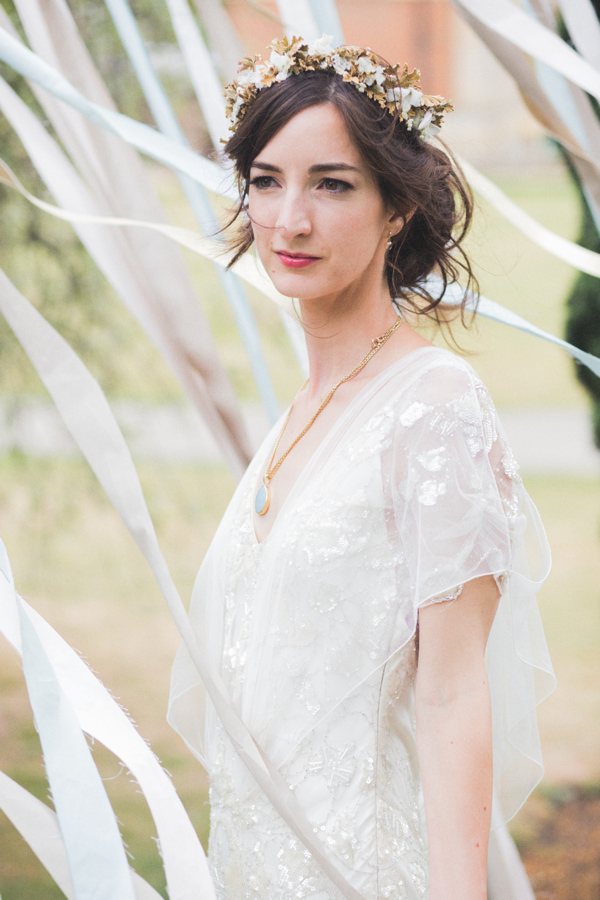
<point>294,213</point>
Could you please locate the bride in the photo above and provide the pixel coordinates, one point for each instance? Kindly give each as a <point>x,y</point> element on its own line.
<point>375,547</point>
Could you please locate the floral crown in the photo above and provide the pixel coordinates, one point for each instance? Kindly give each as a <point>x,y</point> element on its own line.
<point>394,90</point>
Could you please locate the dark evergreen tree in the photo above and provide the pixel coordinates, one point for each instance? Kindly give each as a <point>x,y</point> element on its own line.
<point>583,303</point>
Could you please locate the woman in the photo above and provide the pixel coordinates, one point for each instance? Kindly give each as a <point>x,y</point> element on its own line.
<point>348,597</point>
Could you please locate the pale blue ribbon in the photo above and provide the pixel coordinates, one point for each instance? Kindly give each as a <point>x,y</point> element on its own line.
<point>199,202</point>
<point>95,851</point>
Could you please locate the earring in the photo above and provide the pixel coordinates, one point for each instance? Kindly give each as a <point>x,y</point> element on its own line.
<point>388,246</point>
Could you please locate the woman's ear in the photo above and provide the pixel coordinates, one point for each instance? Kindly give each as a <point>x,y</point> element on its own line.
<point>397,221</point>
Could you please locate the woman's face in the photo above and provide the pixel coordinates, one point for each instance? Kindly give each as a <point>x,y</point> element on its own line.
<point>319,222</point>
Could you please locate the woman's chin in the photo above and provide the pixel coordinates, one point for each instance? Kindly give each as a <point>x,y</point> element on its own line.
<point>295,286</point>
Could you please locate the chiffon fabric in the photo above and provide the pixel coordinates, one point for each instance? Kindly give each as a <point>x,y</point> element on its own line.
<point>413,492</point>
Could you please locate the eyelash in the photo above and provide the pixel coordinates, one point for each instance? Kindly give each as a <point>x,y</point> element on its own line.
<point>263,182</point>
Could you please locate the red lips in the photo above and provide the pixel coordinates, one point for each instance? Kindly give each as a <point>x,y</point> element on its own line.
<point>296,260</point>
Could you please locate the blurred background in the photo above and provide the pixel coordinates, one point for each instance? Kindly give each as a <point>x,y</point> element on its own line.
<point>76,564</point>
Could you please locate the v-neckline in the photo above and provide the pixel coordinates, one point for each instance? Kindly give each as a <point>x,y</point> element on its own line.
<point>359,397</point>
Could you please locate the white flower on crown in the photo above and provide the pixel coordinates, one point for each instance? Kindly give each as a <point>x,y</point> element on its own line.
<point>366,65</point>
<point>394,95</point>
<point>282,63</point>
<point>427,129</point>
<point>430,131</point>
<point>379,75</point>
<point>373,74</point>
<point>251,76</point>
<point>340,65</point>
<point>411,98</point>
<point>322,46</point>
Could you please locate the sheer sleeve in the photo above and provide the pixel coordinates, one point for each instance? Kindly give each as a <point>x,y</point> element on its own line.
<point>461,512</point>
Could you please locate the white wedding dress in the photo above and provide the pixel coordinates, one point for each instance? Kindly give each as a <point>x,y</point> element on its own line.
<point>413,492</point>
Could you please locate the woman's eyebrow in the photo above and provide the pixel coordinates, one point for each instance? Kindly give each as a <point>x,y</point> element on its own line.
<point>333,166</point>
<point>314,170</point>
<point>266,167</point>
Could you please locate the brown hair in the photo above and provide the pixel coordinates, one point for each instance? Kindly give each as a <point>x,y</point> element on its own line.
<point>411,175</point>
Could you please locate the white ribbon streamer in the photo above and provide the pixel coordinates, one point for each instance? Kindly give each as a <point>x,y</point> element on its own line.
<point>563,109</point>
<point>96,856</point>
<point>197,198</point>
<point>101,717</point>
<point>164,304</point>
<point>38,826</point>
<point>579,257</point>
<point>206,84</point>
<point>455,294</point>
<point>298,19</point>
<point>507,20</point>
<point>327,19</point>
<point>144,138</point>
<point>583,26</point>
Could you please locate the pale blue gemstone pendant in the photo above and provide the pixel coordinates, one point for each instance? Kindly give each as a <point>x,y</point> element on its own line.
<point>263,499</point>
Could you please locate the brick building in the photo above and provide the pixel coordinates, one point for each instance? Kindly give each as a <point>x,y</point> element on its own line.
<point>490,124</point>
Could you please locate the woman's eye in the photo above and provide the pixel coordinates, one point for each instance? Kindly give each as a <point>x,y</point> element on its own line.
<point>335,186</point>
<point>262,182</point>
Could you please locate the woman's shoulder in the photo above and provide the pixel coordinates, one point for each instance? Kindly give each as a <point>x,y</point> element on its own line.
<point>437,374</point>
<point>443,393</point>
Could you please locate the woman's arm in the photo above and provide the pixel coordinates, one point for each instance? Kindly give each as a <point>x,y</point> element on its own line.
<point>454,739</point>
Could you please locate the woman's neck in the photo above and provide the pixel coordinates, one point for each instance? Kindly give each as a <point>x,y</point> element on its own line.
<point>339,334</point>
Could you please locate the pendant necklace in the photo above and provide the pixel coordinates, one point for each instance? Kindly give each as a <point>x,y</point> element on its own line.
<point>263,496</point>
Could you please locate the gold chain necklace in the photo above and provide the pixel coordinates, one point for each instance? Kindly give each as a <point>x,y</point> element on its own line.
<point>263,496</point>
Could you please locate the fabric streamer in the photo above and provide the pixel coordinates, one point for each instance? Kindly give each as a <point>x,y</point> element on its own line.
<point>102,718</point>
<point>38,826</point>
<point>149,277</point>
<point>152,143</point>
<point>507,20</point>
<point>297,17</point>
<point>583,26</point>
<point>95,851</point>
<point>562,108</point>
<point>327,19</point>
<point>455,294</point>
<point>201,70</point>
<point>579,257</point>
<point>196,196</point>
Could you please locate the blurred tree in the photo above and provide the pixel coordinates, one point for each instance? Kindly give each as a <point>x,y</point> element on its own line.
<point>43,256</point>
<point>583,303</point>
